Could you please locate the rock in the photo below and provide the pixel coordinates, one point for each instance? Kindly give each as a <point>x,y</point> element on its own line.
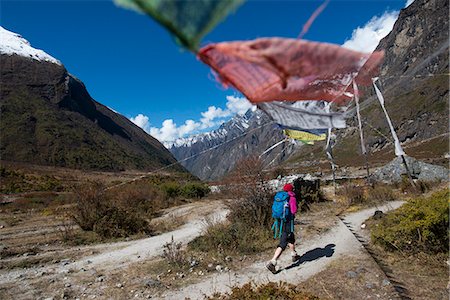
<point>226,269</point>
<point>363,226</point>
<point>119,285</point>
<point>351,274</point>
<point>51,280</point>
<point>151,283</point>
<point>210,266</point>
<point>360,270</point>
<point>219,268</point>
<point>68,285</point>
<point>393,171</point>
<point>100,278</point>
<point>369,285</point>
<point>89,262</point>
<point>378,215</point>
<point>385,282</point>
<point>194,263</point>
<point>66,295</point>
<point>228,258</point>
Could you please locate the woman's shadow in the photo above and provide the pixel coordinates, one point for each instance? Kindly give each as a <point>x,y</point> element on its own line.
<point>313,254</point>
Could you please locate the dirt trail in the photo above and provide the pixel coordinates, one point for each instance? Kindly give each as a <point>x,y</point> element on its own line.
<point>119,254</point>
<point>316,254</point>
<point>130,252</point>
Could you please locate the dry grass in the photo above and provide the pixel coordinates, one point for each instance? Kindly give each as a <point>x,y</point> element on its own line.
<point>271,290</point>
<point>425,276</point>
<point>335,282</point>
<point>169,223</point>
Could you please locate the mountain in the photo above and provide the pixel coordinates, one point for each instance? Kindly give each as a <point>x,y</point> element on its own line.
<point>414,81</point>
<point>212,155</point>
<point>49,118</point>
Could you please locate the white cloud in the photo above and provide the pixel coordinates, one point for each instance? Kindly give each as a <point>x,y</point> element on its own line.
<point>238,105</point>
<point>212,114</point>
<point>170,131</point>
<point>366,38</point>
<point>141,121</point>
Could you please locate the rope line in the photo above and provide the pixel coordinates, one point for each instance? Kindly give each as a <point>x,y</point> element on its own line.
<point>190,157</point>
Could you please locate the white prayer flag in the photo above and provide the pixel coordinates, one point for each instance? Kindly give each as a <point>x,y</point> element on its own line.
<point>303,115</point>
<point>398,148</point>
<point>361,136</point>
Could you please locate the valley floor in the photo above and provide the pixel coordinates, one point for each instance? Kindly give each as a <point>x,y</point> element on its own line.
<point>129,269</point>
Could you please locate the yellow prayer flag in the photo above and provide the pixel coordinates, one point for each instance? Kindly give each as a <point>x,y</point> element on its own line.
<point>303,135</point>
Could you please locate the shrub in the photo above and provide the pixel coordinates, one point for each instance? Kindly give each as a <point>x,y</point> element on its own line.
<point>96,211</point>
<point>229,238</point>
<point>117,222</point>
<point>420,186</point>
<point>194,190</point>
<point>249,219</point>
<point>254,209</point>
<point>308,192</point>
<point>271,290</point>
<point>380,194</point>
<point>353,193</point>
<point>144,199</point>
<point>171,189</point>
<point>173,254</point>
<point>419,225</point>
<point>91,205</point>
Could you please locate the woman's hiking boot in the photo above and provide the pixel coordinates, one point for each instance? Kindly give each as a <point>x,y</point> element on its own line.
<point>295,258</point>
<point>271,267</point>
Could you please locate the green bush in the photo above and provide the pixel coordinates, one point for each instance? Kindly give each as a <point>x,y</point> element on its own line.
<point>171,189</point>
<point>117,222</point>
<point>420,225</point>
<point>96,211</point>
<point>194,190</point>
<point>271,290</point>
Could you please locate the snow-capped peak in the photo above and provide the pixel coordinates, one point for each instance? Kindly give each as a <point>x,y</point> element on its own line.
<point>13,43</point>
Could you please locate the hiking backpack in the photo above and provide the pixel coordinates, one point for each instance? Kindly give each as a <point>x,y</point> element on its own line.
<point>281,212</point>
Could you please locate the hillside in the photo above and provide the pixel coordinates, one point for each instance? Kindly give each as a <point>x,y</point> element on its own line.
<point>49,118</point>
<point>414,81</point>
<point>214,154</point>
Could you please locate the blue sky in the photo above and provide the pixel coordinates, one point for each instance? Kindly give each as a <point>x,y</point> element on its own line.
<point>131,64</point>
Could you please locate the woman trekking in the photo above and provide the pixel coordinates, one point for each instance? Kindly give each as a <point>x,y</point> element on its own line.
<point>286,224</point>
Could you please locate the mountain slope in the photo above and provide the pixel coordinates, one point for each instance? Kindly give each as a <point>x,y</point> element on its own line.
<point>212,155</point>
<point>49,118</point>
<point>414,81</point>
<point>417,103</point>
